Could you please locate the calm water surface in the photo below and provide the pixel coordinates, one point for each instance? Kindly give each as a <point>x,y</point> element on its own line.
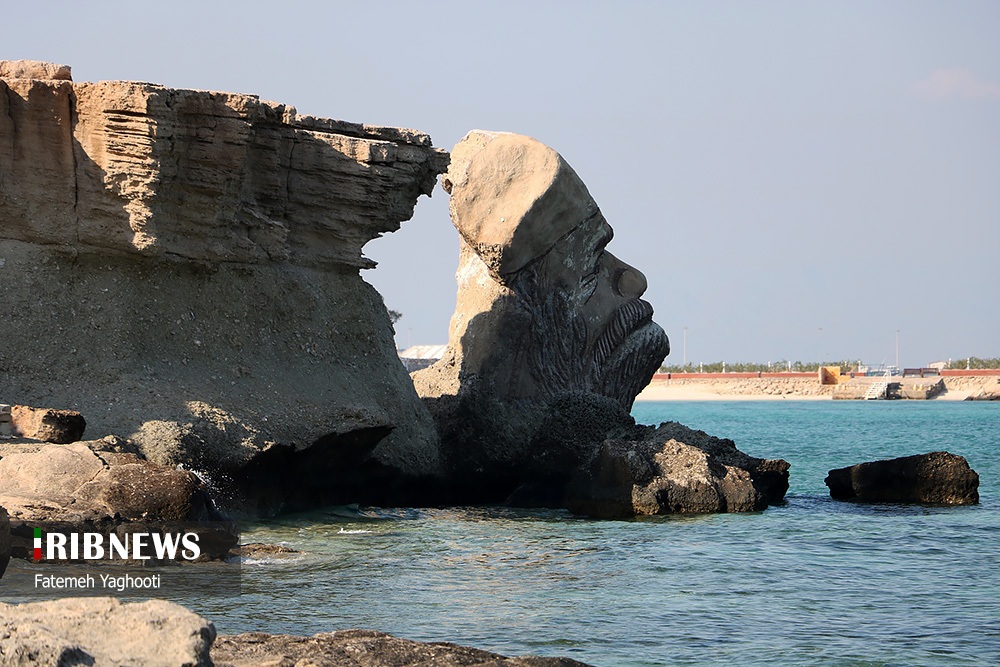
<point>811,582</point>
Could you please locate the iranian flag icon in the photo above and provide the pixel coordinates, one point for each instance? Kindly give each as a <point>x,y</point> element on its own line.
<point>38,544</point>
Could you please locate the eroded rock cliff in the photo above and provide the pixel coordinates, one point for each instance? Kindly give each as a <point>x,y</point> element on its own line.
<point>183,268</point>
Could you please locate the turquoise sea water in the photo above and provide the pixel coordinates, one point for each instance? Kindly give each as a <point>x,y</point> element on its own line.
<point>810,582</point>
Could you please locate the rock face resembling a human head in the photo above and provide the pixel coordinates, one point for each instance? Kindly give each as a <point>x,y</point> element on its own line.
<point>543,307</point>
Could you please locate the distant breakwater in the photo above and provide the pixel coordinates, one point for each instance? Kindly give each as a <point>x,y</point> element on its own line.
<point>959,385</point>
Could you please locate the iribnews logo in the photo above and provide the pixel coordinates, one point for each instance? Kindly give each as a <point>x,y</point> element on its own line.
<point>130,546</point>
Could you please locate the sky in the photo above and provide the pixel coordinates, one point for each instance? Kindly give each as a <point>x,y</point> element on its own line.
<point>797,180</point>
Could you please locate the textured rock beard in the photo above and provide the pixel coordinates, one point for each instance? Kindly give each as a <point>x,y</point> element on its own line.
<point>619,362</point>
<point>631,363</point>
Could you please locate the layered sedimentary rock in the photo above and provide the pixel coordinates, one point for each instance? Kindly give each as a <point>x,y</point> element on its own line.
<point>549,345</point>
<point>94,482</point>
<point>34,69</point>
<point>938,478</point>
<point>183,268</point>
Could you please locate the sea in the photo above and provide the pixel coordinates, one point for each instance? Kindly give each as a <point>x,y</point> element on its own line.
<point>811,581</point>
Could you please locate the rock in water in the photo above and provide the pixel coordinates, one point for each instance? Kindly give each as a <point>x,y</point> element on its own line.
<point>349,648</point>
<point>675,470</point>
<point>197,254</point>
<point>549,345</point>
<point>933,478</point>
<point>104,631</point>
<point>543,312</point>
<point>95,486</point>
<point>156,633</point>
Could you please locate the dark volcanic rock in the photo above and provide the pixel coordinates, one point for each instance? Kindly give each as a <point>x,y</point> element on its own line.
<point>351,648</point>
<point>934,478</point>
<point>674,469</point>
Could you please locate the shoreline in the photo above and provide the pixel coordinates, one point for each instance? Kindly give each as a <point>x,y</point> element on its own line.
<point>743,388</point>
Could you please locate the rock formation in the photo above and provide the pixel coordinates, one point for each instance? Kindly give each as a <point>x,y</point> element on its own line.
<point>349,648</point>
<point>104,631</point>
<point>549,345</point>
<point>183,268</point>
<point>675,470</point>
<point>543,312</point>
<point>543,308</point>
<point>937,478</point>
<point>47,425</point>
<point>103,486</point>
<point>157,633</point>
<point>34,69</point>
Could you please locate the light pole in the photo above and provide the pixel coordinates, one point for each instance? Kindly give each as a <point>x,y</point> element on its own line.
<point>897,348</point>
<point>685,347</point>
<point>821,346</point>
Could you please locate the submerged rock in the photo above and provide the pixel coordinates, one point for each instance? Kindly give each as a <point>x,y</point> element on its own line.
<point>350,648</point>
<point>104,631</point>
<point>933,478</point>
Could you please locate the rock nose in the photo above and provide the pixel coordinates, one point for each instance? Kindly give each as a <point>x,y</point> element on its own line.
<point>627,281</point>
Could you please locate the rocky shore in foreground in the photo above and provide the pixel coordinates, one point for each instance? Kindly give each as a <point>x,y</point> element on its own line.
<point>104,632</point>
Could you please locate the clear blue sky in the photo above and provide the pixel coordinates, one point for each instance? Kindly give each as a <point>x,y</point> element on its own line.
<point>773,167</point>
